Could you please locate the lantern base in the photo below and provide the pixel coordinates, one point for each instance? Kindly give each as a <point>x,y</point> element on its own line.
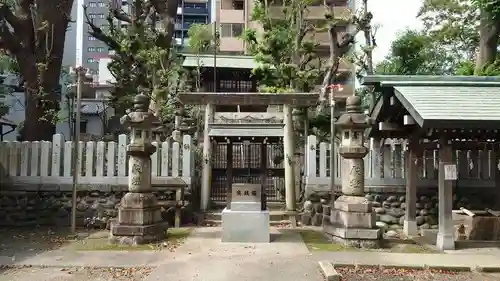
<point>139,220</point>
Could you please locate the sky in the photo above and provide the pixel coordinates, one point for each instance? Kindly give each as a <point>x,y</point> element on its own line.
<point>392,16</point>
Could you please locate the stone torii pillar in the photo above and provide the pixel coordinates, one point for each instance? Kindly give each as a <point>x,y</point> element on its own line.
<point>352,221</point>
<point>139,216</point>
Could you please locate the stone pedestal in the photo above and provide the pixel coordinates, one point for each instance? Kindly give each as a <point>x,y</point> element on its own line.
<point>352,223</point>
<point>139,216</point>
<point>245,221</point>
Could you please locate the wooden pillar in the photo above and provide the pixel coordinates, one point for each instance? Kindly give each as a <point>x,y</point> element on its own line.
<point>445,237</point>
<point>410,223</point>
<point>496,175</point>
<point>289,147</point>
<point>376,159</point>
<point>207,160</point>
<point>263,175</point>
<point>229,174</point>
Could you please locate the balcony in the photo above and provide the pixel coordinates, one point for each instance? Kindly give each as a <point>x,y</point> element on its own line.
<point>232,16</point>
<point>231,44</point>
<point>195,11</point>
<point>316,12</point>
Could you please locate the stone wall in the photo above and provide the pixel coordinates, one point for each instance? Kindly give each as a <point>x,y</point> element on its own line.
<point>390,206</point>
<point>51,205</point>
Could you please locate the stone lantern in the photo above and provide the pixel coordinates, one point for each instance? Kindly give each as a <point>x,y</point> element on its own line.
<point>139,216</point>
<point>351,219</point>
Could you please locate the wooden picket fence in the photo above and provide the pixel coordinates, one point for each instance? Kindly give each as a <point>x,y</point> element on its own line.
<point>102,163</point>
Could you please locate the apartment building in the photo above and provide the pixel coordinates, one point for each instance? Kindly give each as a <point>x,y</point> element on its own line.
<point>83,49</point>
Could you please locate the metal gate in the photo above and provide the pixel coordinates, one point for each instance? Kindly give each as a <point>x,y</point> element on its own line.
<point>247,168</point>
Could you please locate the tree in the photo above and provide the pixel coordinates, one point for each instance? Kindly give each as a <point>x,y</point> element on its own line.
<point>201,40</point>
<point>143,60</point>
<point>33,33</point>
<point>287,59</point>
<point>416,53</point>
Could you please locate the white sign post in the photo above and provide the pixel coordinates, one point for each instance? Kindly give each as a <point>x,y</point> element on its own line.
<point>450,172</point>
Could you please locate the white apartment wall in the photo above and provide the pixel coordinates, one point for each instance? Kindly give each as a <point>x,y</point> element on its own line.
<point>105,76</point>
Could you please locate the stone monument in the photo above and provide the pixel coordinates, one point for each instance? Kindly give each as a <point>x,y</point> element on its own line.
<point>246,219</point>
<point>139,216</point>
<point>351,220</point>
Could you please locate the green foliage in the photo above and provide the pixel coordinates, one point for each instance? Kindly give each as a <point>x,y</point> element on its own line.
<point>143,61</point>
<point>288,61</point>
<point>416,53</point>
<point>200,38</point>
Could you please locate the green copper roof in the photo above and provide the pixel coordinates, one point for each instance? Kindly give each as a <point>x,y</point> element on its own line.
<point>452,106</point>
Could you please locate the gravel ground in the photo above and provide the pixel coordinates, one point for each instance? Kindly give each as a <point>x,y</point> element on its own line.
<point>368,274</point>
<point>75,274</point>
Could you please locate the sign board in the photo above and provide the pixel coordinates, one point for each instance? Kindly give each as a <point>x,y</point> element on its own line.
<point>450,172</point>
<point>246,192</point>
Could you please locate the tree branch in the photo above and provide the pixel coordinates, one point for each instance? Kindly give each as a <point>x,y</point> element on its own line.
<point>99,34</point>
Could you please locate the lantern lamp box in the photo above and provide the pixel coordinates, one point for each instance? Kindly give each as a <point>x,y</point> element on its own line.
<point>245,221</point>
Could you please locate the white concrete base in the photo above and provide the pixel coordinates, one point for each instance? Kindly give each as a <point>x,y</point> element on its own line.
<point>445,242</point>
<point>410,228</point>
<point>245,226</point>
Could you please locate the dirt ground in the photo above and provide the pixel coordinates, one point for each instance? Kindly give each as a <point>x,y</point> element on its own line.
<point>369,274</point>
<point>75,274</point>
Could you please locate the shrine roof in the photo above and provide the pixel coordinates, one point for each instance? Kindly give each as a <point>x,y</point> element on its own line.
<point>437,102</point>
<point>297,99</point>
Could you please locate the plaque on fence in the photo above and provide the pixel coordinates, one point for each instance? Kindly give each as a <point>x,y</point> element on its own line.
<point>244,192</point>
<point>450,172</point>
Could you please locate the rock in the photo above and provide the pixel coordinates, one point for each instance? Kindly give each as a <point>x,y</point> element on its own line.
<point>376,204</point>
<point>323,201</point>
<point>403,206</point>
<point>391,234</point>
<point>427,206</point>
<point>391,199</point>
<point>434,226</point>
<point>424,212</point>
<point>382,225</point>
<point>308,205</point>
<point>386,204</point>
<point>377,198</point>
<point>431,220</point>
<point>425,226</point>
<point>420,220</point>
<point>424,199</point>
<point>317,207</point>
<point>317,219</point>
<point>379,210</point>
<point>419,206</point>
<point>306,217</point>
<point>369,197</point>
<point>326,210</point>
<point>395,204</point>
<point>394,226</point>
<point>396,212</point>
<point>402,220</point>
<point>388,219</point>
<point>402,199</point>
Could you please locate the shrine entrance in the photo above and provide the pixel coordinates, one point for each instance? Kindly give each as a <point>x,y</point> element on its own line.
<point>251,160</point>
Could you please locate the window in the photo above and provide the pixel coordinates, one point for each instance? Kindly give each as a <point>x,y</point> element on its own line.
<point>90,60</point>
<point>102,4</point>
<point>238,5</point>
<point>231,29</point>
<point>90,49</point>
<point>83,126</point>
<point>92,4</point>
<point>101,16</point>
<point>100,49</point>
<point>92,38</point>
<point>92,16</point>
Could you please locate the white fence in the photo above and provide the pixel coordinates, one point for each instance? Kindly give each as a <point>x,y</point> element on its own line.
<point>101,162</point>
<point>386,166</point>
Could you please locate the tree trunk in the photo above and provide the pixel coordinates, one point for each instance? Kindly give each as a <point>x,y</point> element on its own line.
<point>489,33</point>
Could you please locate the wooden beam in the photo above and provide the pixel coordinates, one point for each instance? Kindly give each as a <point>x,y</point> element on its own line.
<point>393,101</point>
<point>388,126</point>
<point>408,120</point>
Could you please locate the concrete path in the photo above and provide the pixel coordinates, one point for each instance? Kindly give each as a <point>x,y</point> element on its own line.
<point>412,260</point>
<point>205,258</point>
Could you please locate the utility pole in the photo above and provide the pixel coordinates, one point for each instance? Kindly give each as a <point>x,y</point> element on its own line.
<point>81,74</point>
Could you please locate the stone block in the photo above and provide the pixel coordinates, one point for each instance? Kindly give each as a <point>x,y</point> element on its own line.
<point>138,200</point>
<point>352,233</point>
<point>445,241</point>
<point>353,204</point>
<point>158,229</point>
<point>353,219</point>
<point>245,226</point>
<point>139,216</point>
<point>246,206</point>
